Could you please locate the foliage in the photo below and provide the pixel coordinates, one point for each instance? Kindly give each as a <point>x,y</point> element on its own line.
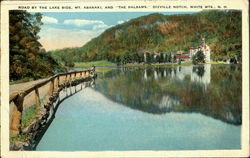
<point>69,64</point>
<point>21,137</point>
<point>179,61</point>
<point>25,79</point>
<point>27,57</point>
<point>199,57</point>
<point>221,99</point>
<point>28,116</point>
<point>162,33</point>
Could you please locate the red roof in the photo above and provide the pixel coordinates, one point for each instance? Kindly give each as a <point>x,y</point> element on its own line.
<point>182,57</point>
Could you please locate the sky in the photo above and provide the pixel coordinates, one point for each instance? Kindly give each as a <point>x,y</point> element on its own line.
<point>67,29</point>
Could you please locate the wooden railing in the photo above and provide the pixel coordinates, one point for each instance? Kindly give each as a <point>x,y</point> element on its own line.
<point>56,84</point>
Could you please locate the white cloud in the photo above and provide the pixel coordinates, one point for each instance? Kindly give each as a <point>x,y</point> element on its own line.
<point>95,24</point>
<point>120,22</point>
<point>100,27</point>
<point>49,20</point>
<point>54,38</point>
<point>82,22</point>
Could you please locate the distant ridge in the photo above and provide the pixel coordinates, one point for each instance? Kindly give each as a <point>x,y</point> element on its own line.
<point>162,33</point>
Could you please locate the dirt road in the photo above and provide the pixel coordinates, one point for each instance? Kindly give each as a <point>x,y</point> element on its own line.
<point>22,86</point>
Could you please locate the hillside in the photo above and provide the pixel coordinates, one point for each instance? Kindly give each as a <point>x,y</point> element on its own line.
<point>162,33</point>
<point>28,60</point>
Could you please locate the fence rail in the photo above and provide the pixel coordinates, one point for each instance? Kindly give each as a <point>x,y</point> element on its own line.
<point>54,84</point>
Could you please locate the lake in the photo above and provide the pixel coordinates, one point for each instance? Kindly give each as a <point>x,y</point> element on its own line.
<point>163,108</point>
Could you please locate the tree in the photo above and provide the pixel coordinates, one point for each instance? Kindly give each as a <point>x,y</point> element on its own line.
<point>27,57</point>
<point>150,58</point>
<point>179,61</point>
<point>222,29</point>
<point>174,59</point>
<point>157,59</point>
<point>168,58</point>
<point>199,57</point>
<point>69,64</point>
<point>161,60</point>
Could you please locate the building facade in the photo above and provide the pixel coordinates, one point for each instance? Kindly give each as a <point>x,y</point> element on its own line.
<point>204,48</point>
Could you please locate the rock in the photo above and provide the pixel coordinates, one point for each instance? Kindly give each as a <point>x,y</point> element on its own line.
<point>36,126</point>
<point>19,145</point>
<point>51,98</point>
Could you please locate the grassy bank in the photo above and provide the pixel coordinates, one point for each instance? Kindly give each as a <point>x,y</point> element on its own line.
<point>157,65</point>
<point>26,79</point>
<point>100,63</point>
<point>217,62</point>
<point>104,63</point>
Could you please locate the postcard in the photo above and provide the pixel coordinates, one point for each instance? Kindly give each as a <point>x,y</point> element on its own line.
<point>150,78</point>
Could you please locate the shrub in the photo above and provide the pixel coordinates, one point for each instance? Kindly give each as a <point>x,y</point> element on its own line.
<point>199,57</point>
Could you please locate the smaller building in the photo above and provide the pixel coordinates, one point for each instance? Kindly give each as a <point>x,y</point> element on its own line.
<point>182,57</point>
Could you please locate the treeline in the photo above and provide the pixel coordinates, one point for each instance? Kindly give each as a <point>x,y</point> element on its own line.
<point>148,58</point>
<point>27,57</point>
<point>163,34</point>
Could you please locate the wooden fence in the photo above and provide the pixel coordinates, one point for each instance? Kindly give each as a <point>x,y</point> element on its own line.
<point>55,84</point>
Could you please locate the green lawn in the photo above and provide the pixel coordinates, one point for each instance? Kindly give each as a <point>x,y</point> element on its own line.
<point>104,63</point>
<point>217,62</point>
<point>28,116</point>
<point>101,63</point>
<point>158,64</point>
<point>26,79</point>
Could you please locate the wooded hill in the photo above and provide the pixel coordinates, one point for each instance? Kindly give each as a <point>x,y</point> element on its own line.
<point>162,33</point>
<point>28,60</point>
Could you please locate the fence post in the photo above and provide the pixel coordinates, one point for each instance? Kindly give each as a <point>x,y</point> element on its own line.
<point>58,82</point>
<point>51,89</point>
<point>37,98</point>
<point>16,119</point>
<point>83,74</point>
<point>65,80</point>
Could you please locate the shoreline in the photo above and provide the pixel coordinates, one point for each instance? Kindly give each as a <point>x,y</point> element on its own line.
<point>120,66</point>
<point>156,65</point>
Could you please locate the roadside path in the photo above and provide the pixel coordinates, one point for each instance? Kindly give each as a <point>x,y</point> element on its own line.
<point>22,86</point>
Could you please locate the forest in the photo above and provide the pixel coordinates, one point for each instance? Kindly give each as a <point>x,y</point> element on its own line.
<point>28,60</point>
<point>125,43</point>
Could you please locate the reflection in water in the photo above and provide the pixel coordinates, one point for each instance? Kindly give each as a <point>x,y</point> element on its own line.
<point>145,74</point>
<point>167,102</point>
<point>155,75</point>
<point>211,90</point>
<point>88,121</point>
<point>200,73</point>
<point>94,119</point>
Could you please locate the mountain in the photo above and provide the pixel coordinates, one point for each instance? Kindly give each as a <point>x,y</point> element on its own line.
<point>165,34</point>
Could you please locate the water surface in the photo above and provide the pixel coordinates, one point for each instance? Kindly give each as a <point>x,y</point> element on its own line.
<point>181,108</point>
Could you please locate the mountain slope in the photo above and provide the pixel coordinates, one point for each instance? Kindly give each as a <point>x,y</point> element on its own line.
<point>162,33</point>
